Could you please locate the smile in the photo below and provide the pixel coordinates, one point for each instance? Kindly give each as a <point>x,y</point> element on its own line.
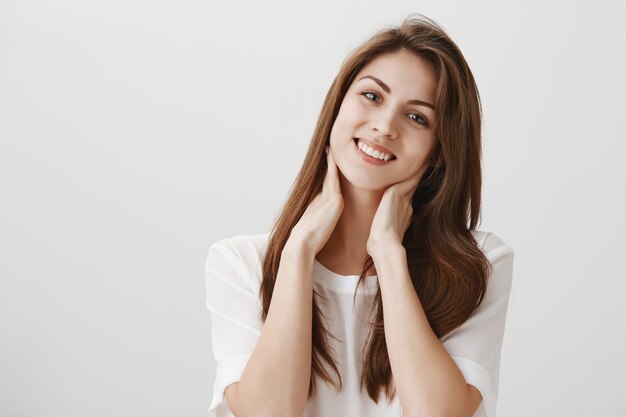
<point>371,155</point>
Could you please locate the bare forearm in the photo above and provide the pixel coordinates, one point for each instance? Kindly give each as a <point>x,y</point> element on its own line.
<point>276,379</point>
<point>428,380</point>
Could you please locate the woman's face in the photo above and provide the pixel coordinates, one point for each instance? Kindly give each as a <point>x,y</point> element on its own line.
<point>400,120</point>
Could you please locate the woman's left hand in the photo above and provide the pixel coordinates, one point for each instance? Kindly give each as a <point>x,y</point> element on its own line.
<point>393,214</point>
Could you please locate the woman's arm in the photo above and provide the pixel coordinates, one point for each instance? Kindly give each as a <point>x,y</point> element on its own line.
<point>275,381</point>
<point>428,381</point>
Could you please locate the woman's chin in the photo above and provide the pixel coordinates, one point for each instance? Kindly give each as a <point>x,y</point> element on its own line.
<point>362,182</point>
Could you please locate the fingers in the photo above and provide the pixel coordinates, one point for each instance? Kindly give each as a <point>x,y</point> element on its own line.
<point>331,180</point>
<point>408,186</point>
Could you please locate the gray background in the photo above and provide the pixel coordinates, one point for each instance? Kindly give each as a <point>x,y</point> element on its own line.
<point>136,133</point>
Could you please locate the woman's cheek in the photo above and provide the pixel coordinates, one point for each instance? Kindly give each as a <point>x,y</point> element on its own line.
<point>356,112</point>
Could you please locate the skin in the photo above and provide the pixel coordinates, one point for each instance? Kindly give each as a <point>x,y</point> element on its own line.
<point>387,120</point>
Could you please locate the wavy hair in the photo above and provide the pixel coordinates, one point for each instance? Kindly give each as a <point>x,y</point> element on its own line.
<point>448,270</point>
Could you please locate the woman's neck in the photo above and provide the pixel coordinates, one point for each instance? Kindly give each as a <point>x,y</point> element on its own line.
<point>346,247</point>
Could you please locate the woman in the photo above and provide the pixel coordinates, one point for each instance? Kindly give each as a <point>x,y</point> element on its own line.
<point>390,181</point>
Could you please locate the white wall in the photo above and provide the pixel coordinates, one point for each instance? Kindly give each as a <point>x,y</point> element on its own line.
<point>133,134</point>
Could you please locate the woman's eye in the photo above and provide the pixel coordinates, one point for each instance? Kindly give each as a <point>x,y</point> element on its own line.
<point>419,119</point>
<point>366,93</point>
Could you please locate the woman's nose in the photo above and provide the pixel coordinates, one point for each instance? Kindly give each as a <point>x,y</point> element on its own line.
<point>385,123</point>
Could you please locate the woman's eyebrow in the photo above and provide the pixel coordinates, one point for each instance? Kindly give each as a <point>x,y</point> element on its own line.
<point>388,91</point>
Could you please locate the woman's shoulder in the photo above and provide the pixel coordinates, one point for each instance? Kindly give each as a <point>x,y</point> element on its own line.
<point>501,258</point>
<point>244,244</point>
<point>238,259</point>
<point>249,248</point>
<point>491,242</point>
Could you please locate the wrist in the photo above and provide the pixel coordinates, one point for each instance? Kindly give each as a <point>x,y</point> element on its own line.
<point>298,248</point>
<point>387,249</point>
<point>393,270</point>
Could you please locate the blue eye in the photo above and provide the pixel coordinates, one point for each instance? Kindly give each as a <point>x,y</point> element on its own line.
<point>420,119</point>
<point>367,92</point>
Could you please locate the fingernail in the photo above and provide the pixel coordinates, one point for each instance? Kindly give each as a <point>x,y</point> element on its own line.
<point>327,148</point>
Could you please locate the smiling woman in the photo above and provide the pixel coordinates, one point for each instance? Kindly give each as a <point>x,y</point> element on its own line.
<point>390,209</point>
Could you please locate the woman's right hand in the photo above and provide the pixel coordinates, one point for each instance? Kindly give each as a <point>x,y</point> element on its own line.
<point>320,217</point>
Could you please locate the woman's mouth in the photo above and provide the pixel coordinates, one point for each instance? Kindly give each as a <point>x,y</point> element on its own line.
<point>372,155</point>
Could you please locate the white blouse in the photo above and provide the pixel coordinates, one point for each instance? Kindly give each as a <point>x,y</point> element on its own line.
<point>233,276</point>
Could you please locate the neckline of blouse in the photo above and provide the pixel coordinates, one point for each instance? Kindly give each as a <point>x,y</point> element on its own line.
<point>343,283</point>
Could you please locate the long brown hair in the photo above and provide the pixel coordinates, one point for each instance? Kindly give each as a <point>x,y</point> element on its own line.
<point>448,270</point>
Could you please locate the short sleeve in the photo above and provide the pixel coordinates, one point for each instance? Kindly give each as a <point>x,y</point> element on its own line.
<point>475,346</point>
<point>235,318</point>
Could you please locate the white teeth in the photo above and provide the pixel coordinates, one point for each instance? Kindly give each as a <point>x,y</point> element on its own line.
<point>373,153</point>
